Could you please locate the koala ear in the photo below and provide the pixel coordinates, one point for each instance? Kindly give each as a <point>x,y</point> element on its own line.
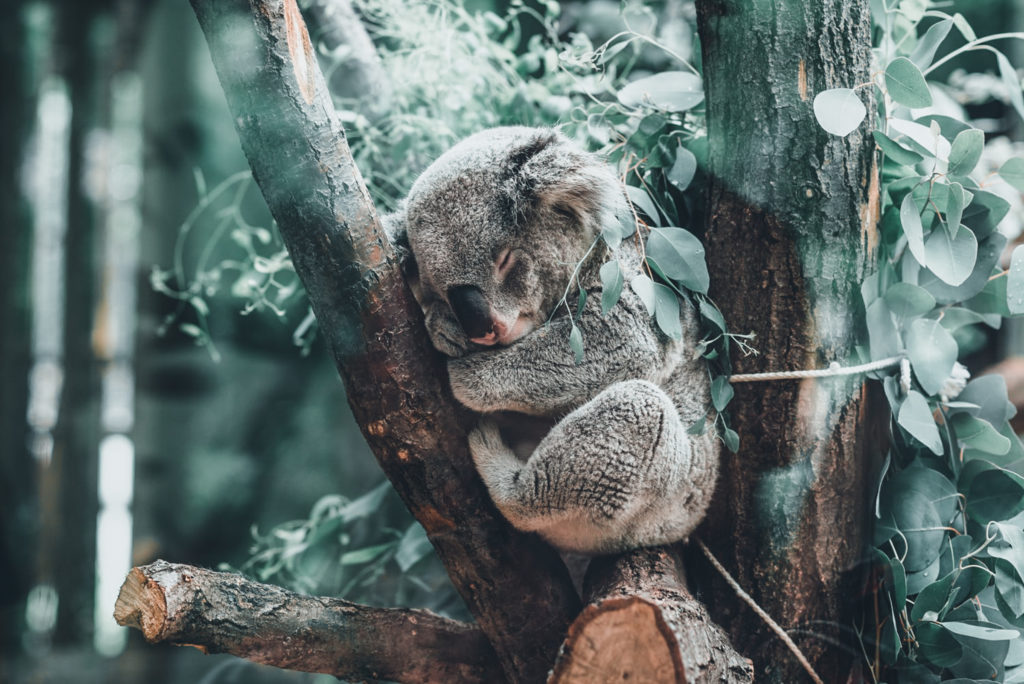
<point>395,227</point>
<point>551,173</point>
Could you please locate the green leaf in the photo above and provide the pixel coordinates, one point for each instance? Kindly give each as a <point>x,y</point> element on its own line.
<point>413,547</point>
<point>927,139</point>
<point>581,302</point>
<point>883,337</point>
<point>951,258</point>
<point>721,392</point>
<point>1009,76</point>
<point>916,418</point>
<point>1012,171</point>
<point>683,169</point>
<point>981,630</point>
<point>895,151</point>
<point>611,285</point>
<point>932,351</point>
<point>924,52</point>
<point>680,256</point>
<point>965,29</point>
<point>671,91</point>
<point>731,439</point>
<point>985,212</point>
<point>979,434</point>
<point>576,343</point>
<point>1010,588</point>
<point>710,312</point>
<point>367,504</point>
<point>936,645</point>
<point>644,288</point>
<point>909,301</point>
<point>365,555</point>
<point>932,598</point>
<point>958,199</point>
<point>667,311</point>
<point>905,84</point>
<point>1015,282</point>
<point>643,202</point>
<point>839,111</point>
<point>994,494</point>
<point>966,151</point>
<point>910,218</point>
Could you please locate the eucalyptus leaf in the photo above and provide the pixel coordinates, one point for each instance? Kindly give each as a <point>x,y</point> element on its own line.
<point>910,217</point>
<point>909,301</point>
<point>895,151</point>
<point>667,311</point>
<point>721,392</point>
<point>932,143</point>
<point>839,111</point>
<point>932,352</point>
<point>966,151</point>
<point>671,91</point>
<point>958,199</point>
<point>906,85</point>
<point>915,417</point>
<point>951,258</point>
<point>981,630</point>
<point>611,285</point>
<point>643,202</point>
<point>680,256</point>
<point>965,28</point>
<point>924,51</point>
<point>731,439</point>
<point>683,169</point>
<point>1012,171</point>
<point>1009,76</point>
<point>978,434</point>
<point>576,344</point>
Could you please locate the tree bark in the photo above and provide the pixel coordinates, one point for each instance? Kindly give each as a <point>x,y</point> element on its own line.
<point>517,588</point>
<point>642,624</point>
<point>218,612</point>
<point>791,233</point>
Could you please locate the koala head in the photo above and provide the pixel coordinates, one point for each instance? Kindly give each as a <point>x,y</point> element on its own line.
<point>496,226</point>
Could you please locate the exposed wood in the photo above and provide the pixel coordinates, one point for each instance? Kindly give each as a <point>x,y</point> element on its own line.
<point>641,624</point>
<point>517,588</point>
<point>219,612</point>
<point>791,229</point>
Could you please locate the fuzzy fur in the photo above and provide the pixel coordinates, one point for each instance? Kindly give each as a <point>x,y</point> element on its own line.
<point>618,469</point>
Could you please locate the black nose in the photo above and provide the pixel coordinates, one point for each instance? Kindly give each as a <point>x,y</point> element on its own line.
<point>472,310</point>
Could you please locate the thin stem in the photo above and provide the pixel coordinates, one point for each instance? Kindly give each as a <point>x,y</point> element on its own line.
<point>973,45</point>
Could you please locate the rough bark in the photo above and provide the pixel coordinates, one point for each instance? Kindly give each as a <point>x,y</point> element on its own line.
<point>218,612</point>
<point>360,77</point>
<point>517,588</point>
<point>791,231</point>
<point>642,624</point>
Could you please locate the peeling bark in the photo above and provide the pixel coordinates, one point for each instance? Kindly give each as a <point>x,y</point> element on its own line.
<point>517,588</point>
<point>218,612</point>
<point>791,227</point>
<point>641,624</point>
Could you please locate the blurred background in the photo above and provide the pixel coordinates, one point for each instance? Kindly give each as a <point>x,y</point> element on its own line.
<point>164,393</point>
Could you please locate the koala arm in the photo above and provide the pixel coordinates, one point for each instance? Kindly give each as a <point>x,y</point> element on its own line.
<point>538,374</point>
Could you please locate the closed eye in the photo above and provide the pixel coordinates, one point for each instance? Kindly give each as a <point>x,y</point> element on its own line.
<point>504,261</point>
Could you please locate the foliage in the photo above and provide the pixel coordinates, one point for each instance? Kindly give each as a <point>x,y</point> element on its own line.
<point>365,550</point>
<point>949,600</point>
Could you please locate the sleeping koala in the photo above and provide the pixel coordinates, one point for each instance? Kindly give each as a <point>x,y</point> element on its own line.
<point>495,228</point>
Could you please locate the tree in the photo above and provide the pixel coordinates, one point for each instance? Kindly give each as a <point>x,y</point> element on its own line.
<point>518,589</point>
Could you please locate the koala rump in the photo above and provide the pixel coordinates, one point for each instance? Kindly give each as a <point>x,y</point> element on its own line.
<point>490,236</point>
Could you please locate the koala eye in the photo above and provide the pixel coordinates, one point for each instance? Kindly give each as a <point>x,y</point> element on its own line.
<point>504,261</point>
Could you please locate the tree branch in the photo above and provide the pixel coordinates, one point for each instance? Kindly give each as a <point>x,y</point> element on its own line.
<point>641,624</point>
<point>517,588</point>
<point>219,612</point>
<point>361,75</point>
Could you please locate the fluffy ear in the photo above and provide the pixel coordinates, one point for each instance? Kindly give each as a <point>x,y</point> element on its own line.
<point>548,172</point>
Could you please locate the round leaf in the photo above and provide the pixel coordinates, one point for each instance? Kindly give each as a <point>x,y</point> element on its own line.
<point>671,91</point>
<point>683,169</point>
<point>909,301</point>
<point>966,151</point>
<point>1013,172</point>
<point>951,258</point>
<point>906,84</point>
<point>839,111</point>
<point>932,351</point>
<point>680,256</point>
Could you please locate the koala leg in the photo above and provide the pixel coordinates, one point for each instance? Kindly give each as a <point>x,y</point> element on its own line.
<point>619,472</point>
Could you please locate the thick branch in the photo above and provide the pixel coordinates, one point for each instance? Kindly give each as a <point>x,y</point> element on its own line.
<point>518,589</point>
<point>361,75</point>
<point>642,625</point>
<point>219,612</point>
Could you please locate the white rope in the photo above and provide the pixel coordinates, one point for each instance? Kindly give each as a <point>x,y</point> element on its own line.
<point>774,626</point>
<point>832,371</point>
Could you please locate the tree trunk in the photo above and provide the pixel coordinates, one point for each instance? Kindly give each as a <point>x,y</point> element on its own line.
<point>791,231</point>
<point>517,588</point>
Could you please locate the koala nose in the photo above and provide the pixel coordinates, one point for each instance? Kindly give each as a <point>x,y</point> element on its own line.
<point>472,310</point>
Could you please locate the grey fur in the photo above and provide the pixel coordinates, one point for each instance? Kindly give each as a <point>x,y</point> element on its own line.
<point>618,469</point>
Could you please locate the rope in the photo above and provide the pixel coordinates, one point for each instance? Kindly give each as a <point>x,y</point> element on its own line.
<point>832,371</point>
<point>781,633</point>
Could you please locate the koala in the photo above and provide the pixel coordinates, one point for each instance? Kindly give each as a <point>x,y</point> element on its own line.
<point>490,236</point>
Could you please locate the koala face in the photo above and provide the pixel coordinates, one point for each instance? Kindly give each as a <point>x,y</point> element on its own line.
<point>496,226</point>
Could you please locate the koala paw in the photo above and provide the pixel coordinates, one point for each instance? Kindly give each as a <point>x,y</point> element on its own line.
<point>467,386</point>
<point>490,452</point>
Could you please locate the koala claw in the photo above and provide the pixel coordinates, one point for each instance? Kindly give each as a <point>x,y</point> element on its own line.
<point>490,452</point>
